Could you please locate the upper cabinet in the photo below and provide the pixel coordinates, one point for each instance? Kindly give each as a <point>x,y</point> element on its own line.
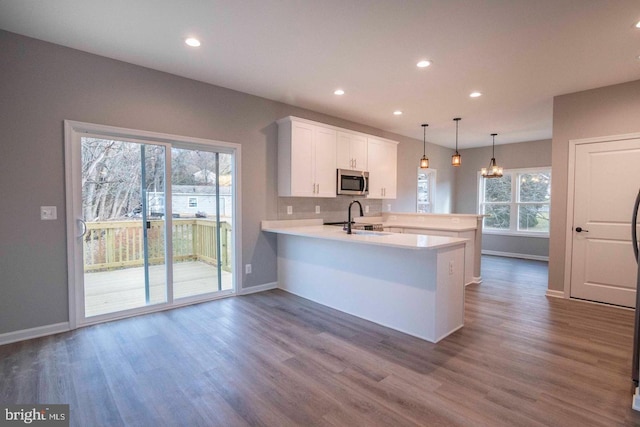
<point>306,159</point>
<point>383,168</point>
<point>352,151</point>
<point>310,152</point>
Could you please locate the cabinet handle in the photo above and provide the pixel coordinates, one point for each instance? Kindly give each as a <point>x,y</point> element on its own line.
<point>318,191</point>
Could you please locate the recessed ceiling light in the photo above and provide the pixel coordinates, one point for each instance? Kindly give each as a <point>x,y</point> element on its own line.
<point>638,24</point>
<point>397,113</point>
<point>192,42</point>
<point>424,63</point>
<point>338,92</point>
<point>475,94</point>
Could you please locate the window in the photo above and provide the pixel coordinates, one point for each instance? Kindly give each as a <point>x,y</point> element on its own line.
<point>517,203</point>
<point>426,190</point>
<point>193,202</point>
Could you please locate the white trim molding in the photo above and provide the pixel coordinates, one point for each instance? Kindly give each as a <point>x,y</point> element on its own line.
<point>39,331</point>
<point>477,280</point>
<point>258,288</point>
<point>515,255</point>
<point>555,294</point>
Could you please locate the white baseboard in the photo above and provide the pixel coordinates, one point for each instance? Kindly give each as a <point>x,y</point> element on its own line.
<point>635,403</point>
<point>258,288</point>
<point>474,281</point>
<point>27,334</point>
<point>514,255</point>
<point>555,294</point>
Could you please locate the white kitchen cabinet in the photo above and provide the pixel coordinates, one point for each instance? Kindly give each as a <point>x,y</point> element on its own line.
<point>352,151</point>
<point>382,160</point>
<point>306,159</point>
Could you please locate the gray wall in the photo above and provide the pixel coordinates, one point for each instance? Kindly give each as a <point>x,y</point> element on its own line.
<point>611,110</point>
<point>509,156</point>
<point>43,84</point>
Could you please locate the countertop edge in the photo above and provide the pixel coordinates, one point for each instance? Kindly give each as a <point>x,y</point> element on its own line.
<point>394,240</point>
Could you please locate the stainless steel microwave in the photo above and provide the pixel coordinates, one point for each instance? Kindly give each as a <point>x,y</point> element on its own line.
<point>354,183</point>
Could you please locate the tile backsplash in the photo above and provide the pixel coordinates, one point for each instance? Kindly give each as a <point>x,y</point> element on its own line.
<point>331,209</point>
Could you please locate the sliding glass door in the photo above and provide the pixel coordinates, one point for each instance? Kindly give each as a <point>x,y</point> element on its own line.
<point>153,223</point>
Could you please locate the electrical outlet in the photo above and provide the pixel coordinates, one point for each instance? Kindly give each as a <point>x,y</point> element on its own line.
<point>247,268</point>
<point>366,209</point>
<point>450,268</point>
<point>389,207</point>
<point>289,210</point>
<point>48,213</point>
<point>317,209</point>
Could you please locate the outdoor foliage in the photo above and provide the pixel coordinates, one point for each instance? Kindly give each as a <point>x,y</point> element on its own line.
<point>533,195</point>
<point>112,171</point>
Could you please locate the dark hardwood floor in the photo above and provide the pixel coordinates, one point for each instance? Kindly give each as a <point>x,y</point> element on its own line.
<point>274,359</point>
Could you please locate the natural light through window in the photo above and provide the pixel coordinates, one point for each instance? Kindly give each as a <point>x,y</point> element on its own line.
<point>426,190</point>
<point>518,203</point>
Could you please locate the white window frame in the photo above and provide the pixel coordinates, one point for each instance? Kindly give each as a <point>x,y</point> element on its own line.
<point>195,202</point>
<point>514,203</point>
<point>432,189</point>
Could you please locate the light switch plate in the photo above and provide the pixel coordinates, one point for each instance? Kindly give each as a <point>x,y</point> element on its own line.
<point>317,209</point>
<point>48,213</point>
<point>289,210</point>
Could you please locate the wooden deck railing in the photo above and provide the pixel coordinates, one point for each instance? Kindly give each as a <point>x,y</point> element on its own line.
<point>111,245</point>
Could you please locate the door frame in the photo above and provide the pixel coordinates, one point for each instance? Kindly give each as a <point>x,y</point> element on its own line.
<point>73,130</point>
<point>571,171</point>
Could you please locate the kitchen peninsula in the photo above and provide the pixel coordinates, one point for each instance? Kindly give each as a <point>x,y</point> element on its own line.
<point>466,226</point>
<point>409,282</point>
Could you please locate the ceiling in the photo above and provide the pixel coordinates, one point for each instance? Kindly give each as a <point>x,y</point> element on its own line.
<point>518,53</point>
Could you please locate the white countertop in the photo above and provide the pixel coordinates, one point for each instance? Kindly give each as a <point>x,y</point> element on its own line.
<point>440,222</point>
<point>452,227</point>
<point>314,228</point>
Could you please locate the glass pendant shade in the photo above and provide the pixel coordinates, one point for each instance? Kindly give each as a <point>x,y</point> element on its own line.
<point>456,159</point>
<point>493,171</point>
<point>424,161</point>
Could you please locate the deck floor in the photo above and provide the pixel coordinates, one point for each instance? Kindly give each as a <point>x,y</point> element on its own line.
<point>118,290</point>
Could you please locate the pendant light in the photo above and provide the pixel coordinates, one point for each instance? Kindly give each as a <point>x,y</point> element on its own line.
<point>493,171</point>
<point>424,161</point>
<point>456,159</point>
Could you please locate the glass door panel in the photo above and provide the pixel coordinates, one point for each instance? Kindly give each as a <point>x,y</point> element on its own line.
<point>123,206</point>
<point>201,206</point>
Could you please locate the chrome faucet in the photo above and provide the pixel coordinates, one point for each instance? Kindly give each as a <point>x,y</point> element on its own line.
<point>349,215</point>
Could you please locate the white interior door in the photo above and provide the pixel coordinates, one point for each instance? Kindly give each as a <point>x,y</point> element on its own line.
<point>607,177</point>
